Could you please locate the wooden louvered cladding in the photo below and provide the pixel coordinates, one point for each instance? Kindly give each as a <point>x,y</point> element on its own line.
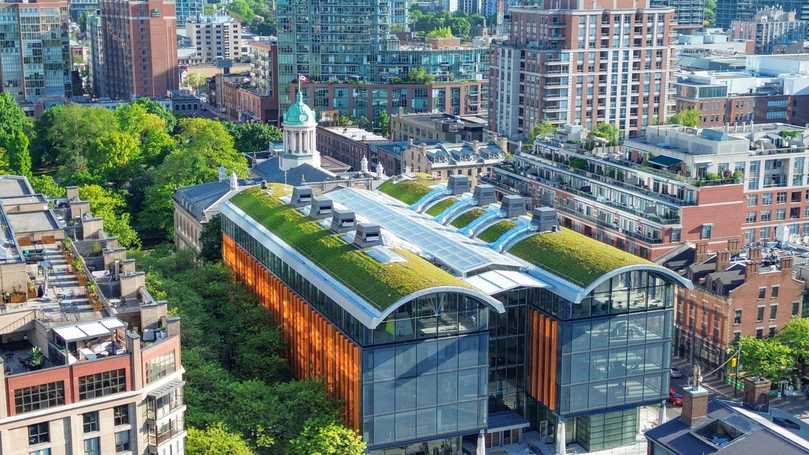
<point>542,358</point>
<point>315,348</point>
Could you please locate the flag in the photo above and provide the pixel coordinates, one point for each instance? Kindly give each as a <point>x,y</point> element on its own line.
<point>303,78</point>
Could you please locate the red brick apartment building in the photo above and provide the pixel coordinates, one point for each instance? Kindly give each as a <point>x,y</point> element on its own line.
<point>673,186</point>
<point>140,48</point>
<point>581,63</point>
<point>734,295</point>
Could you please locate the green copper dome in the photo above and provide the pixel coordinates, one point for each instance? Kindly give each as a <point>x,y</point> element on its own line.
<point>299,114</point>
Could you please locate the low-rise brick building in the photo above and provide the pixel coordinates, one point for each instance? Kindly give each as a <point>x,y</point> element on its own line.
<point>751,293</point>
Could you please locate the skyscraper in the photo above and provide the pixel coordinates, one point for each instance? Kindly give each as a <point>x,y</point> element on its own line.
<point>140,48</point>
<point>687,13</point>
<point>95,35</point>
<point>187,9</point>
<point>35,57</point>
<point>603,62</point>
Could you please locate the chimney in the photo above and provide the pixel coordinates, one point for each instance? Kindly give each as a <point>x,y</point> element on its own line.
<point>756,393</point>
<point>72,192</point>
<point>752,268</point>
<point>321,208</point>
<point>695,405</point>
<point>701,251</point>
<point>733,246</point>
<point>785,263</point>
<point>755,254</point>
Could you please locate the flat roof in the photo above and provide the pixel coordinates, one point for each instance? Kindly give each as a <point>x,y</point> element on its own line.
<point>13,185</point>
<point>355,134</point>
<point>32,221</point>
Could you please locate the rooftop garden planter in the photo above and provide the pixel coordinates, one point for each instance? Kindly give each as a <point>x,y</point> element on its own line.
<point>379,284</point>
<point>493,232</point>
<point>467,217</point>
<point>573,256</point>
<point>440,206</point>
<point>407,191</point>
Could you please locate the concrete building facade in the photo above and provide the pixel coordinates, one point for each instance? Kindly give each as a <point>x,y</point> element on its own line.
<point>215,37</point>
<point>571,63</point>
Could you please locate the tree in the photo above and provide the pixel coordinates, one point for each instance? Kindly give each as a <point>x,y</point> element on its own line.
<point>343,120</point>
<point>689,117</point>
<point>153,107</point>
<point>608,132</point>
<point>110,206</point>
<point>419,75</point>
<point>216,440</point>
<point>795,336</point>
<point>46,185</point>
<point>460,26</point>
<point>440,32</point>
<point>211,239</point>
<point>541,129</point>
<point>766,358</point>
<point>15,128</point>
<point>323,436</point>
<point>383,123</point>
<point>710,12</point>
<point>195,81</point>
<point>252,137</point>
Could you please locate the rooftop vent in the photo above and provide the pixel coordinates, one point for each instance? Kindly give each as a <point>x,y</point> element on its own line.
<point>321,208</point>
<point>343,220</point>
<point>513,206</point>
<point>301,196</point>
<point>485,194</point>
<point>544,219</point>
<point>458,184</point>
<point>367,235</point>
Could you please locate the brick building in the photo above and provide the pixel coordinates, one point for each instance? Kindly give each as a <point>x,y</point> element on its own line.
<point>772,30</point>
<point>140,48</point>
<point>751,294</point>
<point>348,145</point>
<point>582,63</point>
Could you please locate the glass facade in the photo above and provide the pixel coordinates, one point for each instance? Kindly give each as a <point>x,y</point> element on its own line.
<point>507,346</point>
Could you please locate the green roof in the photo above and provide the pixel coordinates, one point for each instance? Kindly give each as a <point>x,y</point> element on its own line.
<point>408,191</point>
<point>467,217</point>
<point>493,232</point>
<point>441,206</point>
<point>379,284</point>
<point>573,256</point>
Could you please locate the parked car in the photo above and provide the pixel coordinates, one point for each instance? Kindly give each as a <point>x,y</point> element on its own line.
<point>675,398</point>
<point>676,373</point>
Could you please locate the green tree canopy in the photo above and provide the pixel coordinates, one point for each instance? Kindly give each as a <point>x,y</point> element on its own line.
<point>216,440</point>
<point>111,207</point>
<point>153,107</point>
<point>324,436</point>
<point>382,122</point>
<point>440,32</point>
<point>419,75</point>
<point>46,185</point>
<point>689,117</point>
<point>15,128</point>
<point>795,336</point>
<point>710,12</point>
<point>766,358</point>
<point>608,132</point>
<point>253,137</point>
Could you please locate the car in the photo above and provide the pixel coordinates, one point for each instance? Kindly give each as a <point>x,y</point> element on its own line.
<point>675,398</point>
<point>676,373</point>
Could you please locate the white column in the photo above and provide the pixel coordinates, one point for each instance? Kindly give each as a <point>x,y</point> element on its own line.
<point>661,414</point>
<point>560,438</point>
<point>481,449</point>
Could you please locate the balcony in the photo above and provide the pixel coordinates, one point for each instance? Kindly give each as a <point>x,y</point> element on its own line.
<point>611,226</point>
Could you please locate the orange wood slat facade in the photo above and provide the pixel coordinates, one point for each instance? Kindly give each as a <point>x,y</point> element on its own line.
<point>315,348</point>
<point>543,341</point>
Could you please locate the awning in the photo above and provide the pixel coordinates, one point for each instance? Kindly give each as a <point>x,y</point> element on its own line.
<point>166,388</point>
<point>503,421</point>
<point>664,161</point>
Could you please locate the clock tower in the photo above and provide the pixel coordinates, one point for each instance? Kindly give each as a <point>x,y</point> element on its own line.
<point>300,132</point>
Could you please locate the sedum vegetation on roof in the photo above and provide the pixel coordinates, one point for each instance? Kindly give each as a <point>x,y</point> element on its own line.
<point>408,191</point>
<point>441,206</point>
<point>379,284</point>
<point>493,232</point>
<point>467,217</point>
<point>573,256</point>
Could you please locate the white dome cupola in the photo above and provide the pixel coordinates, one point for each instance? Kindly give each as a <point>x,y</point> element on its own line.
<point>300,132</point>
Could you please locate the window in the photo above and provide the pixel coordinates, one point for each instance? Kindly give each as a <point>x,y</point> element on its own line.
<point>39,397</point>
<point>765,215</point>
<point>39,433</point>
<point>762,292</point>
<point>760,314</point>
<point>122,441</point>
<point>773,312</point>
<point>796,308</point>
<point>772,332</point>
<point>774,291</point>
<point>706,231</point>
<point>120,415</point>
<point>766,198</point>
<point>781,197</point>
<point>40,452</point>
<point>759,333</point>
<point>751,217</point>
<point>102,384</point>
<point>160,367</point>
<point>90,420</point>
<point>752,200</point>
<point>780,214</point>
<point>92,446</point>
<point>737,336</point>
<point>737,318</point>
